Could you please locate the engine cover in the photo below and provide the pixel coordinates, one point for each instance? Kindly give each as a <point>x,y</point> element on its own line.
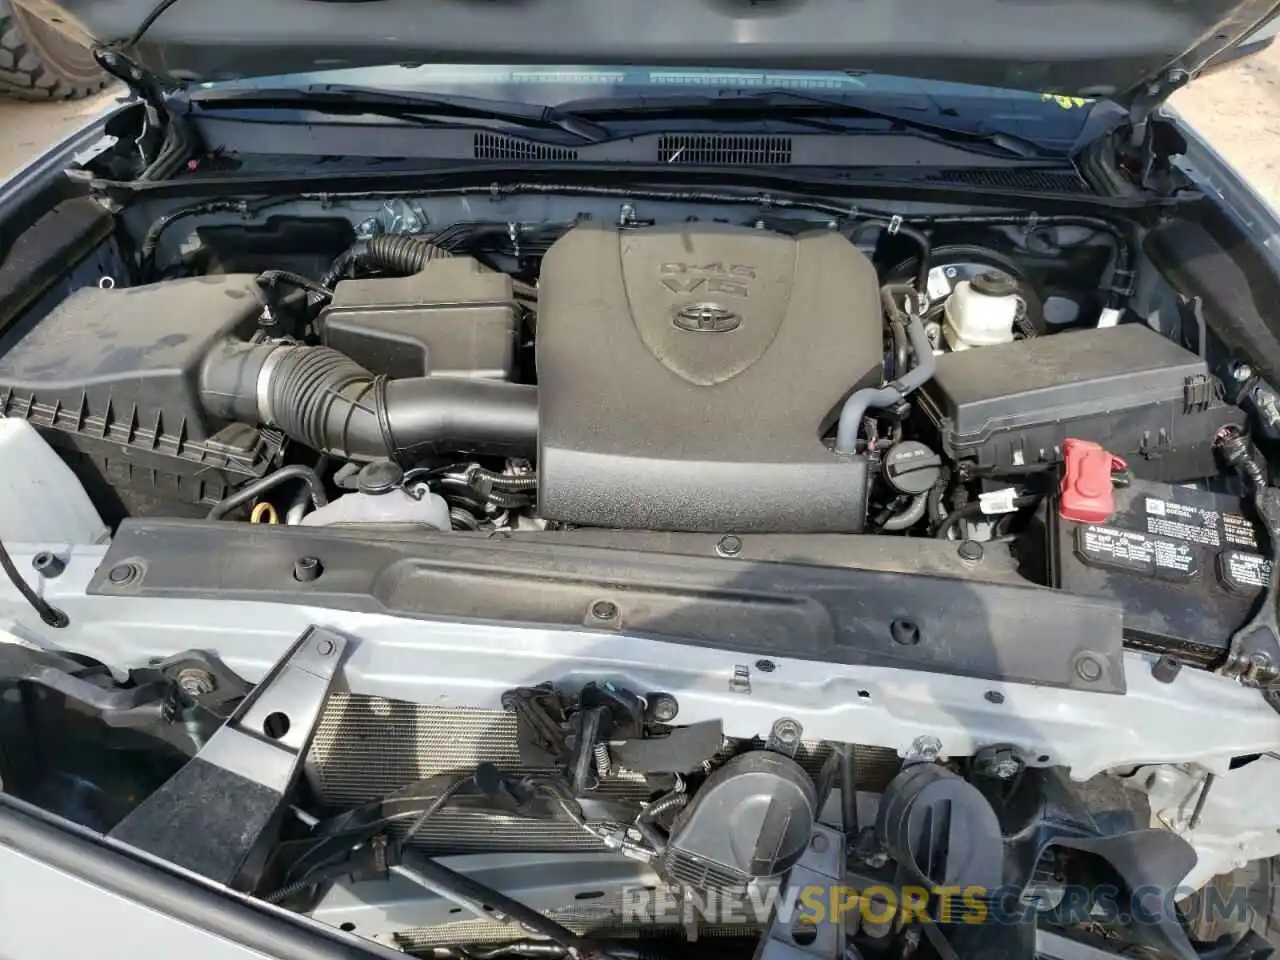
<point>686,377</point>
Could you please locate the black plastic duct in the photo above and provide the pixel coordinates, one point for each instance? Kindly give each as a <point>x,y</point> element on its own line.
<point>327,401</point>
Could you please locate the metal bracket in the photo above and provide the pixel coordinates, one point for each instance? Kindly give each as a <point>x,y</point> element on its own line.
<point>214,814</point>
<point>822,867</point>
<point>268,735</point>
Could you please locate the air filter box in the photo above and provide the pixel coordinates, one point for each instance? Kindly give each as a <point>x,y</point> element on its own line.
<point>111,377</point>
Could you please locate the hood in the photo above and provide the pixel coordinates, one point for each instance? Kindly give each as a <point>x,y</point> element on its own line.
<point>1122,49</point>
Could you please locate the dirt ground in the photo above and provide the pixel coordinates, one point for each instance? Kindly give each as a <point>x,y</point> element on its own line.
<point>1238,110</point>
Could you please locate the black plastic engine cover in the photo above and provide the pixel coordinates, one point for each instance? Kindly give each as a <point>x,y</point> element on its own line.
<point>686,377</point>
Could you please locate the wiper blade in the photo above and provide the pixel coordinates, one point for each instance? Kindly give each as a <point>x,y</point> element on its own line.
<point>904,111</point>
<point>405,105</point>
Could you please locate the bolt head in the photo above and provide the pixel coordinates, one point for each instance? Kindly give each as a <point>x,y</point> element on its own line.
<point>1242,372</point>
<point>1005,769</point>
<point>196,681</point>
<point>307,569</point>
<point>665,708</point>
<point>729,546</point>
<point>604,610</point>
<point>122,573</point>
<point>819,843</point>
<point>926,748</point>
<point>1089,669</point>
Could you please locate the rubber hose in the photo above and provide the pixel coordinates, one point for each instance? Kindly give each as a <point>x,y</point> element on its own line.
<point>49,614</point>
<point>461,519</point>
<point>338,269</point>
<point>860,401</point>
<point>952,522</point>
<point>401,254</point>
<point>500,481</point>
<point>507,501</point>
<point>922,241</point>
<point>901,346</point>
<point>645,822</point>
<point>909,517</point>
<point>672,801</point>
<point>937,512</point>
<point>249,491</point>
<point>849,792</point>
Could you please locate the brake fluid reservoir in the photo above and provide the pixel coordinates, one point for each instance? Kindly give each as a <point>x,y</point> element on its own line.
<point>981,312</point>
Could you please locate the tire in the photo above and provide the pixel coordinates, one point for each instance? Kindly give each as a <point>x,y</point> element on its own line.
<point>37,62</point>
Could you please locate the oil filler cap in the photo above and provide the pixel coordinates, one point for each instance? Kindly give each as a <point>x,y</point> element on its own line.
<point>911,467</point>
<point>1087,494</point>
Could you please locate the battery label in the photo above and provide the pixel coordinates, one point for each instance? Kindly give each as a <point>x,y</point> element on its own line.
<point>1238,529</point>
<point>1136,551</point>
<point>1181,522</point>
<point>1244,573</point>
<point>1213,528</point>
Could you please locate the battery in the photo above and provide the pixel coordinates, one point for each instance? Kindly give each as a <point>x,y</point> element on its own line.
<point>1187,565</point>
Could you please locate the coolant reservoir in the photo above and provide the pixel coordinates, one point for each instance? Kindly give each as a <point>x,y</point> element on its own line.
<point>41,500</point>
<point>396,508</point>
<point>981,312</point>
<point>380,498</point>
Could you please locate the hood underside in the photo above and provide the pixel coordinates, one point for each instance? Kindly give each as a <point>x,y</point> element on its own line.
<point>1112,48</point>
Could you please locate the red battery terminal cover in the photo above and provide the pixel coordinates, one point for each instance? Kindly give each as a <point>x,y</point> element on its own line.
<point>1087,494</point>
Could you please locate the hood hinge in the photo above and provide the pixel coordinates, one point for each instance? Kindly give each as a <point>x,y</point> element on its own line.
<point>164,139</point>
<point>1151,144</point>
<point>147,86</point>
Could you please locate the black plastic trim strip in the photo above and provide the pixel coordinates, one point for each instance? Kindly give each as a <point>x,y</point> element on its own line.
<point>899,613</point>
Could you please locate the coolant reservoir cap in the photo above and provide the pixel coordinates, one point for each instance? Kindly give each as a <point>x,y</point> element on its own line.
<point>994,283</point>
<point>911,467</point>
<point>378,477</point>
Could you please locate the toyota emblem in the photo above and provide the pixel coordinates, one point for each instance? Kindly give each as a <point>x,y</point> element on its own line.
<point>707,318</point>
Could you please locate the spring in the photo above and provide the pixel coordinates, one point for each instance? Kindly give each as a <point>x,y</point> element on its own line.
<point>601,752</point>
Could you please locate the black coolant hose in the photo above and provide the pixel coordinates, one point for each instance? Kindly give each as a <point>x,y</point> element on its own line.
<point>250,491</point>
<point>321,398</point>
<point>860,401</point>
<point>909,516</point>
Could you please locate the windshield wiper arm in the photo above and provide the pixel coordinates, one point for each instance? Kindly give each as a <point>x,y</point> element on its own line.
<point>785,104</point>
<point>407,105</point>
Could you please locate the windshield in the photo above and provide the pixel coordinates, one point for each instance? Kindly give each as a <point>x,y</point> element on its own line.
<point>1053,122</point>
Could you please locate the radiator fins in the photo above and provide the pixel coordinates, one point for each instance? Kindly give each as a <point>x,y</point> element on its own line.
<point>368,747</point>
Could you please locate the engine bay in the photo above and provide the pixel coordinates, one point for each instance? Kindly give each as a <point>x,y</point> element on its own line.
<point>646,374</point>
<point>829,405</point>
<point>660,366</point>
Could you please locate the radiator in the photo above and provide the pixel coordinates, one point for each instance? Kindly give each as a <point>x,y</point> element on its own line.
<point>368,747</point>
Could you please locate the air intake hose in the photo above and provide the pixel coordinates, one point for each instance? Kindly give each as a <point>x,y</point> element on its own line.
<point>322,398</point>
